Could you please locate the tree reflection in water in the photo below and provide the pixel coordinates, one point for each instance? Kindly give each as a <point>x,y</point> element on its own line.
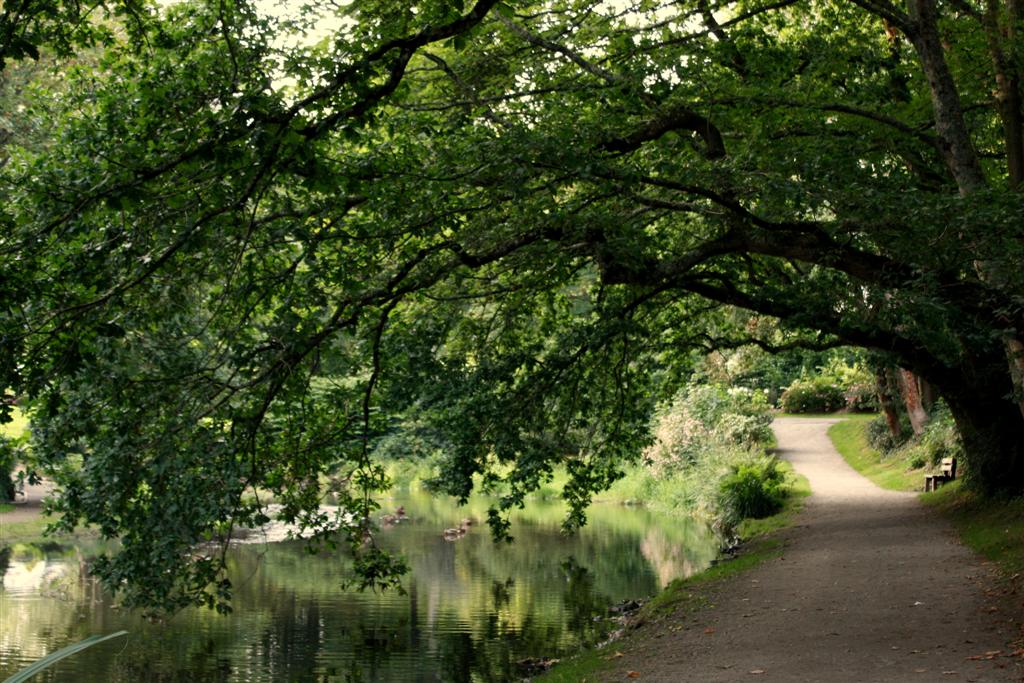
<point>473,611</point>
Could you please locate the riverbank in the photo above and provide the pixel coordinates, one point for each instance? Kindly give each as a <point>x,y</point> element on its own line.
<point>867,584</point>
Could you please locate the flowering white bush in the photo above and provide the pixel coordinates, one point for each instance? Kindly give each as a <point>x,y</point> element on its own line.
<point>703,416</point>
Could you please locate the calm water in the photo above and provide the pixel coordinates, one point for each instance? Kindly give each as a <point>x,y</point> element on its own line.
<point>472,611</point>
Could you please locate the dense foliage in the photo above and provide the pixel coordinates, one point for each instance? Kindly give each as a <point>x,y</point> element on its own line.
<point>753,489</point>
<point>813,395</point>
<point>708,458</point>
<point>233,258</point>
<point>939,440</point>
<point>704,417</point>
<point>8,461</point>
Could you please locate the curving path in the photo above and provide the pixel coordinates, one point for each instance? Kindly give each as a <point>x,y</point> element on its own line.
<point>871,586</point>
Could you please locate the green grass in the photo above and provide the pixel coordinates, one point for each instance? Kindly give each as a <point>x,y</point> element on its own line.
<point>23,531</point>
<point>992,527</point>
<point>17,427</point>
<point>32,530</point>
<point>850,439</point>
<point>798,490</point>
<point>6,507</point>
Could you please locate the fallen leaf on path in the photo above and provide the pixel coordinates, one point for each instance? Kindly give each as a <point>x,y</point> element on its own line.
<point>633,674</point>
<point>616,655</point>
<point>709,629</point>
<point>950,673</point>
<point>920,671</point>
<point>757,671</point>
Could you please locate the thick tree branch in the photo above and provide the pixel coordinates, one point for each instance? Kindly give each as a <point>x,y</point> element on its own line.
<point>671,120</point>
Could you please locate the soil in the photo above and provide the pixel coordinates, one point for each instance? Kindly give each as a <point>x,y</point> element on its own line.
<point>870,586</point>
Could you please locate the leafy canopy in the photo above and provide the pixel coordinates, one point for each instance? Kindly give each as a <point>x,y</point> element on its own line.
<point>236,260</point>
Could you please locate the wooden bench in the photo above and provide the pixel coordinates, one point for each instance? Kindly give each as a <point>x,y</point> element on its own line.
<point>947,472</point>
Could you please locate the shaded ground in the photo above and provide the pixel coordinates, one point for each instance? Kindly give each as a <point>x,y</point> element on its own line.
<point>870,586</point>
<point>28,504</point>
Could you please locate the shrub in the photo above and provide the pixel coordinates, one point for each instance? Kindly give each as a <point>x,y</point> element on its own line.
<point>704,415</point>
<point>745,430</point>
<point>940,438</point>
<point>752,490</point>
<point>862,398</point>
<point>882,440</point>
<point>818,395</point>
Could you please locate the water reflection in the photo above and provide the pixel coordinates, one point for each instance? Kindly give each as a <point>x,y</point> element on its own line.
<point>473,610</point>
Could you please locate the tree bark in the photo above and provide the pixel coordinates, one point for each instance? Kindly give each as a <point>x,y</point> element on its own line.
<point>992,430</point>
<point>1015,354</point>
<point>910,390</point>
<point>954,139</point>
<point>1008,82</point>
<point>888,403</point>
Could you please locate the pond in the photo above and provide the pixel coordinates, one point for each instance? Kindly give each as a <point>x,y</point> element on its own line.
<point>474,610</point>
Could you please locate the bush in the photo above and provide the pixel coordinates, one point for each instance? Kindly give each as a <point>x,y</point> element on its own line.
<point>862,398</point>
<point>745,430</point>
<point>702,416</point>
<point>882,440</point>
<point>940,438</point>
<point>752,490</point>
<point>818,395</point>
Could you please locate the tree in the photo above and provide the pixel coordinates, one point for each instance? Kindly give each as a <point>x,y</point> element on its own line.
<point>237,259</point>
<point>26,26</point>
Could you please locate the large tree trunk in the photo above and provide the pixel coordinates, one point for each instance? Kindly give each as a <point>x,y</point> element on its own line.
<point>978,394</point>
<point>887,400</point>
<point>955,143</point>
<point>1000,27</point>
<point>910,390</point>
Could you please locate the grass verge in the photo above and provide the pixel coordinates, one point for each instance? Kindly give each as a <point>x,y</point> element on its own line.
<point>30,530</point>
<point>686,596</point>
<point>850,439</point>
<point>992,527</point>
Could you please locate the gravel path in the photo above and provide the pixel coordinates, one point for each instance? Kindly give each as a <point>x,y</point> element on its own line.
<point>871,586</point>
<point>28,504</point>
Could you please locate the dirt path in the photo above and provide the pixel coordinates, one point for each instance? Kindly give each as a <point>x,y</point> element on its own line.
<point>28,504</point>
<point>871,586</point>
